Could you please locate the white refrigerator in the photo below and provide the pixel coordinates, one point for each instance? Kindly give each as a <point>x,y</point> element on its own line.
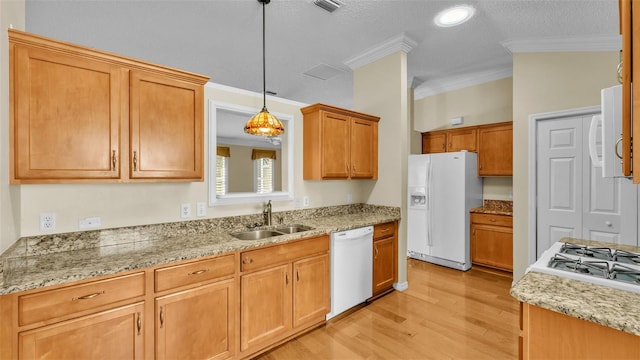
<point>441,189</point>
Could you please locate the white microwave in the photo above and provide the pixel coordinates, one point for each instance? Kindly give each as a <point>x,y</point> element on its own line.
<point>605,133</point>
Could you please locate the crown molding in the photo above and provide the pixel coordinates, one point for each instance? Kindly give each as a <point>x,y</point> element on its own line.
<point>434,87</point>
<point>398,43</point>
<point>568,44</point>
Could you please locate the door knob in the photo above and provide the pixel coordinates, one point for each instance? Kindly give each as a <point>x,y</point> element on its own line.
<point>608,223</point>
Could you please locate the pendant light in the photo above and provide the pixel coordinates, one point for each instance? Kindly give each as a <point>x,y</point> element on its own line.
<point>263,123</point>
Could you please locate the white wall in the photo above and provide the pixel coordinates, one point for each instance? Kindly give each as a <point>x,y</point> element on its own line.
<point>11,13</point>
<point>544,82</point>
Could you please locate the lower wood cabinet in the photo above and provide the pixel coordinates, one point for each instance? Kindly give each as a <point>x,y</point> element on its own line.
<point>265,306</point>
<point>111,334</point>
<point>385,255</point>
<point>197,323</point>
<point>212,308</point>
<point>492,241</point>
<point>284,290</point>
<point>547,334</point>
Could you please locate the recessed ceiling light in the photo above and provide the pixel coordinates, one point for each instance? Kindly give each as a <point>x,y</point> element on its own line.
<point>455,15</point>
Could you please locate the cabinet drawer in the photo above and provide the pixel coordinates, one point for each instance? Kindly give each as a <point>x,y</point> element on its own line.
<point>195,272</point>
<point>255,259</point>
<point>51,304</point>
<point>491,219</point>
<point>384,230</point>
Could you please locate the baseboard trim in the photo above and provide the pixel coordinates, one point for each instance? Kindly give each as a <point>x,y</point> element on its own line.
<point>401,286</point>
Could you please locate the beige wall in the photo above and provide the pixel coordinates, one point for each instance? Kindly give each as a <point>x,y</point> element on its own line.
<point>11,13</point>
<point>479,104</point>
<point>545,82</point>
<point>380,88</point>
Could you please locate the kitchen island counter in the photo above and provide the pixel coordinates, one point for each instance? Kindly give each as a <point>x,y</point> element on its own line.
<point>41,261</point>
<point>617,309</point>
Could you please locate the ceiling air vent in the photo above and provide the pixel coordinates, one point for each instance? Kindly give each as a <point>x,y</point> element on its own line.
<point>329,5</point>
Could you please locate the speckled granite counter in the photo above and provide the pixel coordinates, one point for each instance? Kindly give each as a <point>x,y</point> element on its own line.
<point>602,305</point>
<point>496,207</point>
<point>55,259</point>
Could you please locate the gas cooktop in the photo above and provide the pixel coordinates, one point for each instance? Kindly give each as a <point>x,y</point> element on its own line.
<point>598,265</point>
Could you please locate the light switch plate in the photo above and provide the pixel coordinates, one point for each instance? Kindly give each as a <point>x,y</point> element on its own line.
<point>201,209</point>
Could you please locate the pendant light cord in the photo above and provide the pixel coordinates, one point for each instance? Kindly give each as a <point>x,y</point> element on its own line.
<point>264,66</point>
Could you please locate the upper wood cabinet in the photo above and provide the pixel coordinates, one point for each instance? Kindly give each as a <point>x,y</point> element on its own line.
<point>495,149</point>
<point>493,143</point>
<point>450,140</point>
<point>629,25</point>
<point>462,139</point>
<point>339,144</point>
<point>434,142</point>
<point>82,115</point>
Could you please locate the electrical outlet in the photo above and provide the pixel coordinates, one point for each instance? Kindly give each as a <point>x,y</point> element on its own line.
<point>305,201</point>
<point>185,211</point>
<point>47,222</point>
<point>349,198</point>
<point>89,223</point>
<point>201,209</point>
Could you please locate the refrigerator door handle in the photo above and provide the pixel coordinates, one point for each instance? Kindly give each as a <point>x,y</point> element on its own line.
<point>428,195</point>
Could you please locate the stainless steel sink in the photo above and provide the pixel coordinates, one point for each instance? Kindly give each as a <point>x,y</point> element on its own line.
<point>263,234</point>
<point>290,229</point>
<point>255,234</point>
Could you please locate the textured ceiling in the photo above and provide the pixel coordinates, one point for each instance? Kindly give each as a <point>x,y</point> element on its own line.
<point>222,38</point>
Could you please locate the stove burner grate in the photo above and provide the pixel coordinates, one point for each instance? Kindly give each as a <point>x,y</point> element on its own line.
<point>624,273</point>
<point>593,268</point>
<point>601,253</point>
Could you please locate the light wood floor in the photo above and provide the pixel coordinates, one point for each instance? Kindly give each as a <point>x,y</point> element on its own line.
<point>445,314</point>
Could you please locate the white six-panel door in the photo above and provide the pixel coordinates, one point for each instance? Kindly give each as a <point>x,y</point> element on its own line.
<point>573,199</point>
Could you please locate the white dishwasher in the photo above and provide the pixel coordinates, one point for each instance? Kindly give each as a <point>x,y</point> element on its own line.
<point>351,268</point>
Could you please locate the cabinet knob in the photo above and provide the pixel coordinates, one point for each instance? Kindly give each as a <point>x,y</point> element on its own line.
<point>492,220</point>
<point>608,223</point>
<point>247,260</point>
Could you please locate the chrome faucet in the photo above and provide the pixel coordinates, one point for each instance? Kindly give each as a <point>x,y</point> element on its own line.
<point>266,213</point>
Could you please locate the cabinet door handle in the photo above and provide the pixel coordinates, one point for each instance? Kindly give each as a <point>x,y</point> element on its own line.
<point>199,272</point>
<point>135,161</point>
<point>161,317</point>
<point>376,251</point>
<point>113,160</point>
<point>286,278</point>
<point>139,323</point>
<point>385,230</point>
<point>89,296</point>
<point>353,167</point>
<point>298,275</point>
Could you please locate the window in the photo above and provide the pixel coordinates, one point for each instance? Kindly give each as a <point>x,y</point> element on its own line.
<point>223,153</point>
<point>263,171</point>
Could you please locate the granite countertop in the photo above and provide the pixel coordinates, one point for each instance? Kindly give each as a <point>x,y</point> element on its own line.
<point>602,305</point>
<point>33,266</point>
<point>495,207</point>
